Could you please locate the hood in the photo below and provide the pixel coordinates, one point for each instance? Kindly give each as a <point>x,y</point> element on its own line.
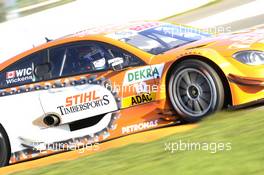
<point>228,44</point>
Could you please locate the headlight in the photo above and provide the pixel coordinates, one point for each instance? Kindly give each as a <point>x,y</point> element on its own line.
<point>250,57</point>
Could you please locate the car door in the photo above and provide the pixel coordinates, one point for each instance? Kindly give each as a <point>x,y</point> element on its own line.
<point>19,98</point>
<point>90,82</point>
<point>80,78</point>
<point>18,87</point>
<point>120,87</point>
<point>134,80</point>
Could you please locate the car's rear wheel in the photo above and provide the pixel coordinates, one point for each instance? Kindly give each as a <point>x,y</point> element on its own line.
<point>195,90</point>
<point>5,150</point>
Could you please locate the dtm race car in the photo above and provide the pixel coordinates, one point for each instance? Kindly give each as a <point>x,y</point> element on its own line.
<point>104,83</point>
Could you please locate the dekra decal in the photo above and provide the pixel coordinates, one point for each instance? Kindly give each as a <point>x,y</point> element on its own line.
<point>143,74</point>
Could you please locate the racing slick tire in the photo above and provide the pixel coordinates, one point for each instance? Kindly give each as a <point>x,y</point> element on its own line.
<point>195,90</point>
<point>5,150</point>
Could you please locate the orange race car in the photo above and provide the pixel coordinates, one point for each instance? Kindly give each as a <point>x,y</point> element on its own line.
<point>104,83</point>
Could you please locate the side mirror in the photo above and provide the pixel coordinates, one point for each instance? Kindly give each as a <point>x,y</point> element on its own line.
<point>42,70</point>
<point>116,63</point>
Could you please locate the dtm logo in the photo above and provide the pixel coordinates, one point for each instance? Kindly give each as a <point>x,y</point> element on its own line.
<point>19,75</point>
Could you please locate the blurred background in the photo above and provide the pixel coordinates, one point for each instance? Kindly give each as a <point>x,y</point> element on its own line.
<point>11,9</point>
<point>28,22</point>
<point>25,23</point>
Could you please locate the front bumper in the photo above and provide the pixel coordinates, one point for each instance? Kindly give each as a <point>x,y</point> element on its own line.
<point>246,91</point>
<point>246,81</point>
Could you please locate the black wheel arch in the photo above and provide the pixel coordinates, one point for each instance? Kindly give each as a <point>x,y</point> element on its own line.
<point>8,146</point>
<point>228,95</point>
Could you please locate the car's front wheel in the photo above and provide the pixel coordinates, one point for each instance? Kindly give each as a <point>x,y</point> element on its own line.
<point>195,90</point>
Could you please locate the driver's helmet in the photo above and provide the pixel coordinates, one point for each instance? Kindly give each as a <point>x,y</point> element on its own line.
<point>93,59</point>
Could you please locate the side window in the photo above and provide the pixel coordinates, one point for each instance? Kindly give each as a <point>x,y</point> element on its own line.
<point>129,59</point>
<point>22,71</point>
<point>77,59</point>
<point>86,57</point>
<point>57,59</point>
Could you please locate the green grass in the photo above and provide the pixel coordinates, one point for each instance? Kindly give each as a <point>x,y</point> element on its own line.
<point>244,129</point>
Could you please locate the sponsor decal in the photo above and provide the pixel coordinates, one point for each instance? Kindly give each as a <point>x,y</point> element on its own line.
<point>244,41</point>
<point>119,35</point>
<point>10,74</point>
<point>74,103</point>
<point>139,127</point>
<point>138,99</point>
<point>144,26</point>
<point>82,102</point>
<point>143,74</point>
<point>132,30</point>
<point>19,75</point>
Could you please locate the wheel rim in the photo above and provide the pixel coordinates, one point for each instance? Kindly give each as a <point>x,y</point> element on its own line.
<point>195,93</point>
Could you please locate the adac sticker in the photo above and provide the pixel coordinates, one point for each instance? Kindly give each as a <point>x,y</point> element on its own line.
<point>138,99</point>
<point>143,73</point>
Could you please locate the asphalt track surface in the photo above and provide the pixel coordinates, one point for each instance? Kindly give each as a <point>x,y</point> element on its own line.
<point>153,134</point>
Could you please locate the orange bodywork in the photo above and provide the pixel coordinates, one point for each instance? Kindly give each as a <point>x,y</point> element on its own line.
<point>218,50</point>
<point>246,83</point>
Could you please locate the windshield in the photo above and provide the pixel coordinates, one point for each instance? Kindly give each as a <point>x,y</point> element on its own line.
<point>159,38</point>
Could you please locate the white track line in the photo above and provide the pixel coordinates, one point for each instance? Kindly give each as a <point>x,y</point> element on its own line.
<point>248,10</point>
